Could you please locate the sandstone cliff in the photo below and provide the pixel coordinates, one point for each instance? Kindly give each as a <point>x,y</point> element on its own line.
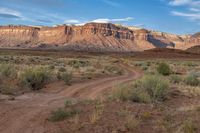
<point>92,36</point>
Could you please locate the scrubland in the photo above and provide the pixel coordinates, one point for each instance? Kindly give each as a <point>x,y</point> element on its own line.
<point>164,96</point>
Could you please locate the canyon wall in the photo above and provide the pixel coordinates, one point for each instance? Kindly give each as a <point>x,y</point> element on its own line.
<point>94,36</point>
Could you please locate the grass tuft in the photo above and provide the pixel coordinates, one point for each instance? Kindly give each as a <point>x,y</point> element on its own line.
<point>7,71</point>
<point>175,79</point>
<point>61,114</point>
<point>164,69</point>
<point>148,89</point>
<point>192,80</point>
<point>34,78</point>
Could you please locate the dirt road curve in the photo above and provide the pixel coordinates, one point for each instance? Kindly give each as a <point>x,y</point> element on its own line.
<point>28,112</point>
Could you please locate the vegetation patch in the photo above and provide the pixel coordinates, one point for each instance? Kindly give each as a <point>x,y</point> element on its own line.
<point>7,71</point>
<point>192,80</point>
<point>164,69</point>
<point>175,79</point>
<point>34,78</point>
<point>189,127</point>
<point>114,70</point>
<point>148,89</point>
<point>62,114</point>
<point>132,123</point>
<point>66,77</point>
<point>78,63</point>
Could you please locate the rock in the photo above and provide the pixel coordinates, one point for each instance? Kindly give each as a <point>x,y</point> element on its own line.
<point>92,36</point>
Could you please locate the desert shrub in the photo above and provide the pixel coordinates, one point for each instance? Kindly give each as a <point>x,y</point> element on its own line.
<point>195,73</point>
<point>59,77</point>
<point>175,79</point>
<point>122,93</point>
<point>190,64</point>
<point>62,69</point>
<point>78,63</point>
<point>139,63</point>
<point>164,69</point>
<point>66,77</point>
<point>97,113</point>
<point>153,88</point>
<point>129,92</point>
<point>140,96</point>
<point>148,89</point>
<point>132,123</point>
<point>51,67</point>
<point>113,70</point>
<point>7,71</point>
<point>145,68</point>
<point>70,102</point>
<point>192,80</point>
<point>34,78</point>
<point>189,127</point>
<point>62,114</point>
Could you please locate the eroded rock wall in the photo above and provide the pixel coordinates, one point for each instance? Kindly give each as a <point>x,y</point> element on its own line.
<point>92,35</point>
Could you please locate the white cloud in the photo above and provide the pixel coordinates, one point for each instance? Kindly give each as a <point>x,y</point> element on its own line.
<point>180,2</point>
<point>29,16</point>
<point>72,21</point>
<point>191,16</point>
<point>190,3</point>
<point>106,20</point>
<point>9,11</point>
<point>111,3</point>
<point>192,7</point>
<point>194,10</point>
<point>99,20</point>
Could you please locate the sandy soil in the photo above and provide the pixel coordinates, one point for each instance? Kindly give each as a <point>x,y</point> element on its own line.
<point>28,112</point>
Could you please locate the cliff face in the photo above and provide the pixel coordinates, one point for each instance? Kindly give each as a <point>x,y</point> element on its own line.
<point>92,36</point>
<point>12,36</point>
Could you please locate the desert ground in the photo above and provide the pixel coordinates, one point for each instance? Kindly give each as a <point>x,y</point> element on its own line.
<point>156,91</point>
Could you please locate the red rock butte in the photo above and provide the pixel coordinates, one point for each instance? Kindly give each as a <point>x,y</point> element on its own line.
<point>93,36</point>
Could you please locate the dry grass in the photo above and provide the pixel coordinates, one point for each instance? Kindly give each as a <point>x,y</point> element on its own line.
<point>21,70</point>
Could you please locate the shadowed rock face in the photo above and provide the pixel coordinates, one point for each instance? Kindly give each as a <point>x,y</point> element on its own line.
<point>96,36</point>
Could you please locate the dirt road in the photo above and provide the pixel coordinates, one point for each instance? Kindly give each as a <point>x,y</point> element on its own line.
<point>28,112</point>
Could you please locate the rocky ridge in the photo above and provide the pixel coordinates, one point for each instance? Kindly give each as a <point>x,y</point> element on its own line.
<point>92,36</point>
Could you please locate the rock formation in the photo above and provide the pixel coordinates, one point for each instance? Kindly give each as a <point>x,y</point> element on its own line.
<point>92,36</point>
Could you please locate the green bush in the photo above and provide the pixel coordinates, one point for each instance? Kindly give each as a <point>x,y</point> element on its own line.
<point>34,78</point>
<point>78,63</point>
<point>140,96</point>
<point>7,71</point>
<point>66,77</point>
<point>121,93</point>
<point>153,88</point>
<point>148,89</point>
<point>192,80</point>
<point>62,114</point>
<point>175,79</point>
<point>164,69</point>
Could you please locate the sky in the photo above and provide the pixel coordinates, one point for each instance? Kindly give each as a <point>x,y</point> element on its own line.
<point>173,16</point>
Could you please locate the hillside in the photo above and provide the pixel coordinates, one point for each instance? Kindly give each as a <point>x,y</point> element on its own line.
<point>195,49</point>
<point>92,36</point>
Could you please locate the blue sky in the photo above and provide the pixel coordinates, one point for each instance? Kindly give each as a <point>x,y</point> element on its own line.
<point>174,16</point>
